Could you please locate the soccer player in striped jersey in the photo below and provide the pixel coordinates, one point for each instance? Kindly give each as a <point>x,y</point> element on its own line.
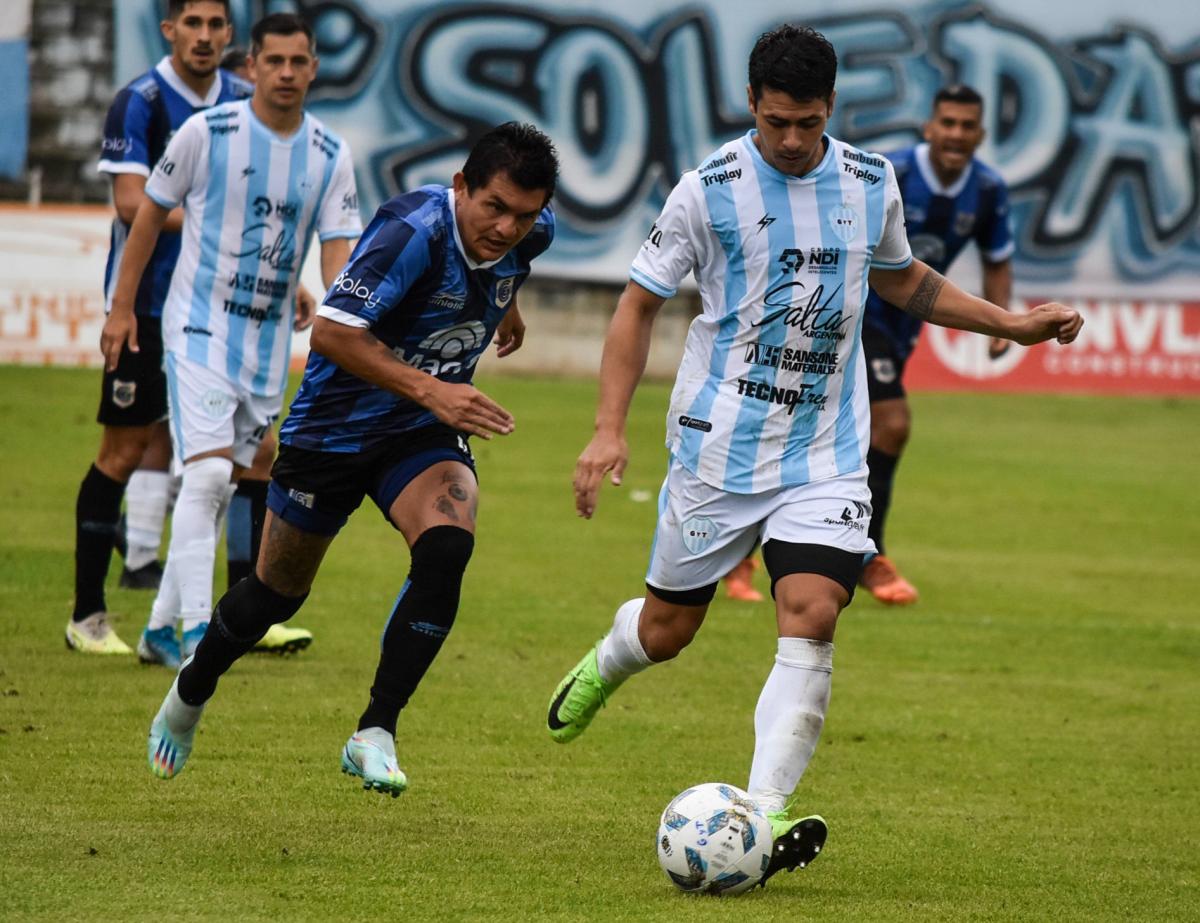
<point>385,409</point>
<point>769,421</point>
<point>950,199</point>
<point>256,177</point>
<point>135,449</point>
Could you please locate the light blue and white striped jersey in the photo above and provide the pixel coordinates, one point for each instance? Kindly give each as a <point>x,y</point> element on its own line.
<point>772,387</point>
<point>251,200</point>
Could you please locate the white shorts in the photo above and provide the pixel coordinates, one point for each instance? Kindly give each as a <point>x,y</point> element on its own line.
<point>704,531</point>
<point>210,412</point>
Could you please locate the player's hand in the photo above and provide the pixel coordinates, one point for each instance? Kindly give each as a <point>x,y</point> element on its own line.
<point>120,330</point>
<point>466,408</point>
<point>511,333</point>
<point>306,309</point>
<point>1052,321</point>
<point>997,347</point>
<point>605,453</point>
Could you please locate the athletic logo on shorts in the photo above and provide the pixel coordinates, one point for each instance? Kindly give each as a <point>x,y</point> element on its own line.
<point>698,533</point>
<point>214,403</point>
<point>124,393</point>
<point>306,500</point>
<point>884,370</point>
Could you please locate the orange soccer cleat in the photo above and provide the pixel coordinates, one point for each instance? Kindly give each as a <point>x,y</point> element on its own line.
<point>739,582</point>
<point>886,584</point>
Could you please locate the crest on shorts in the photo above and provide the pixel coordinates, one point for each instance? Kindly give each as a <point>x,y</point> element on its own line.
<point>124,393</point>
<point>504,291</point>
<point>884,370</point>
<point>843,220</point>
<point>698,533</point>
<point>213,402</point>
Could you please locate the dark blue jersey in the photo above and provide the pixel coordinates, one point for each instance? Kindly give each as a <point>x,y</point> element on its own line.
<point>410,283</point>
<point>139,124</point>
<point>940,221</point>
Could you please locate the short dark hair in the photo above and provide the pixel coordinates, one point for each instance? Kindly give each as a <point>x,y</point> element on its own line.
<point>233,58</point>
<point>958,93</point>
<point>517,149</point>
<point>278,24</point>
<point>175,8</point>
<point>796,60</point>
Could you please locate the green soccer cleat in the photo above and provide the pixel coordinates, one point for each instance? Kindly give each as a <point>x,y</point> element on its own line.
<point>577,699</point>
<point>370,754</point>
<point>283,639</point>
<point>172,732</point>
<point>94,635</point>
<point>797,842</point>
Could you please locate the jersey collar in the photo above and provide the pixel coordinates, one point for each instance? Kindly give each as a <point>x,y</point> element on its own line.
<point>175,82</point>
<point>471,264</point>
<point>925,165</point>
<point>811,177</point>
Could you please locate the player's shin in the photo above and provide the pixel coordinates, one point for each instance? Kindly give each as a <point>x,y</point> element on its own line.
<point>241,618</point>
<point>620,653</point>
<point>146,499</point>
<point>192,551</point>
<point>97,510</point>
<point>788,719</point>
<point>419,623</point>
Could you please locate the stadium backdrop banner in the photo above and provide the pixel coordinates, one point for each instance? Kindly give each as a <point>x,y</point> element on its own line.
<point>1093,117</point>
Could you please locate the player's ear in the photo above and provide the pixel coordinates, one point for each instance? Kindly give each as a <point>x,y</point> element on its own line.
<point>750,100</point>
<point>167,28</point>
<point>460,186</point>
<point>926,129</point>
<point>832,97</point>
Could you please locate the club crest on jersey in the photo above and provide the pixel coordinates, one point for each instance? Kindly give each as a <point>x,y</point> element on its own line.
<point>843,220</point>
<point>504,291</point>
<point>698,533</point>
<point>964,222</point>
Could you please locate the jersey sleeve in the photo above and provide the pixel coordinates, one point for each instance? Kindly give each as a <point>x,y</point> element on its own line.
<point>124,148</point>
<point>994,234</point>
<point>672,248</point>
<point>389,259</point>
<point>893,251</point>
<point>175,171</point>
<point>339,215</point>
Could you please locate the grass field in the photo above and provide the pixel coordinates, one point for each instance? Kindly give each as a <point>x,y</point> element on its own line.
<point>1024,744</point>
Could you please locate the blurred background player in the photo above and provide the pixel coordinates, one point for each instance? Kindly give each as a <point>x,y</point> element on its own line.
<point>769,418</point>
<point>248,507</point>
<point>950,199</point>
<point>133,402</point>
<point>256,176</point>
<point>385,409</point>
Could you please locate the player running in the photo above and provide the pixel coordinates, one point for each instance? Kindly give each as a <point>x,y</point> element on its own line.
<point>769,419</point>
<point>385,410</point>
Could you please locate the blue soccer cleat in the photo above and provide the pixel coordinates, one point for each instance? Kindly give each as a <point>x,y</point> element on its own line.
<point>159,645</point>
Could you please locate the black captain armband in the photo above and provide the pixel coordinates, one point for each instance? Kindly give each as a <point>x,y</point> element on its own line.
<point>920,304</point>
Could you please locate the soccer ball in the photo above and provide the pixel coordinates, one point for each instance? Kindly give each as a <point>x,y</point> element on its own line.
<point>714,838</point>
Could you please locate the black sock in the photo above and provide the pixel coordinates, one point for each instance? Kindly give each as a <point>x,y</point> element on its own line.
<point>882,472</point>
<point>255,494</point>
<point>240,619</point>
<point>96,513</point>
<point>422,618</point>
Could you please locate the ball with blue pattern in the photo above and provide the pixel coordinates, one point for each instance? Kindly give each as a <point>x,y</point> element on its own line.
<point>714,838</point>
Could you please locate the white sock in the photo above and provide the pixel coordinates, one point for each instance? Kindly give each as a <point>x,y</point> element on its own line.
<point>146,498</point>
<point>193,547</point>
<point>789,718</point>
<point>621,653</point>
<point>165,610</point>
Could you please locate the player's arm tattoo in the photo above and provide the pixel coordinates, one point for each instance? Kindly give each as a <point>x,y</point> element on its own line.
<point>922,300</point>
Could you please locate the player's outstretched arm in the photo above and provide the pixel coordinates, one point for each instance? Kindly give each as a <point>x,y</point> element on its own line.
<point>626,349</point>
<point>361,353</point>
<point>120,328</point>
<point>925,293</point>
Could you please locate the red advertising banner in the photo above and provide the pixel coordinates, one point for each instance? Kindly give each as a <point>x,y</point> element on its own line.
<point>1125,347</point>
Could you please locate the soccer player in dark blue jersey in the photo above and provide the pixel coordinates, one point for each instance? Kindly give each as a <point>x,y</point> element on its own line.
<point>950,199</point>
<point>385,410</point>
<point>133,403</point>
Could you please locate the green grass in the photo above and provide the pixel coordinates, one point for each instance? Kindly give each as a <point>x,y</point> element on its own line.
<point>1022,744</point>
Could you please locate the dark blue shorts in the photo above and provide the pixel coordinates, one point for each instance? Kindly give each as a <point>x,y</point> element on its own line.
<point>317,491</point>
